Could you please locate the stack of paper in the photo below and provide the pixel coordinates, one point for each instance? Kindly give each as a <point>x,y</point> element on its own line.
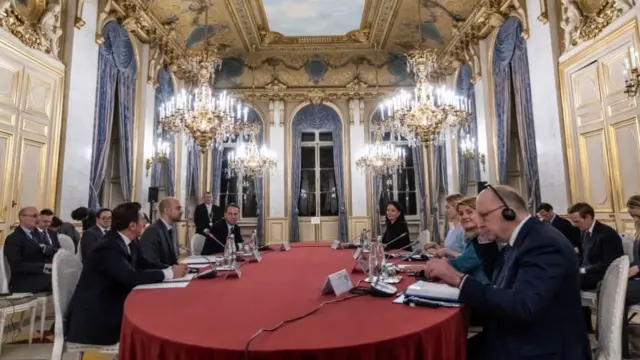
<point>169,283</point>
<point>435,291</point>
<point>195,260</point>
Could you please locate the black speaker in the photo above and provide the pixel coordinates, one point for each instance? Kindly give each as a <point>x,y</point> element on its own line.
<point>153,194</point>
<point>481,185</point>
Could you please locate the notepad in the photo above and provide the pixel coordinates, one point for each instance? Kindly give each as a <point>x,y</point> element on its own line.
<point>163,285</point>
<point>202,259</point>
<point>434,291</point>
<point>187,277</point>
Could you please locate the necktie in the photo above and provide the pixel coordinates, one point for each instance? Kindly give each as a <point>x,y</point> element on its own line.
<point>506,251</point>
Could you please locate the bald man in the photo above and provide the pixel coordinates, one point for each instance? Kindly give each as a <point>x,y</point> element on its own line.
<point>533,305</point>
<point>29,255</point>
<point>159,242</point>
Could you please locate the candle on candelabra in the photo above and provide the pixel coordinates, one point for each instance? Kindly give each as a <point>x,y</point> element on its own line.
<point>246,113</point>
<point>238,110</point>
<point>381,111</point>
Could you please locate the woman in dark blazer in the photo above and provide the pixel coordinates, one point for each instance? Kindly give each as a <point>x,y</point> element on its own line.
<point>396,226</point>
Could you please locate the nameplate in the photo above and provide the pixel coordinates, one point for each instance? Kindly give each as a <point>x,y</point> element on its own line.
<point>357,253</point>
<point>237,270</point>
<point>336,245</point>
<point>285,246</point>
<point>337,283</point>
<point>257,255</point>
<point>315,220</point>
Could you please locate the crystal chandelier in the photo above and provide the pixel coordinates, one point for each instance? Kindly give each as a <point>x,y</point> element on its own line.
<point>427,114</point>
<point>249,161</point>
<point>381,158</point>
<point>161,155</point>
<point>467,146</point>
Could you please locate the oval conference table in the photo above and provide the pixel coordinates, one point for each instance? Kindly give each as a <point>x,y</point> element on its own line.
<point>214,319</point>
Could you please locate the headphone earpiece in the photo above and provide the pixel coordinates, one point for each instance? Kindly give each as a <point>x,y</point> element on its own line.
<point>507,212</point>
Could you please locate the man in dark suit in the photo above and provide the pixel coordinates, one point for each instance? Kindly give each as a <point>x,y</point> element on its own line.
<point>159,242</point>
<point>114,267</point>
<point>66,228</point>
<point>44,228</point>
<point>546,213</point>
<point>92,236</point>
<point>601,244</point>
<point>222,231</point>
<point>534,301</point>
<point>28,255</point>
<point>206,214</point>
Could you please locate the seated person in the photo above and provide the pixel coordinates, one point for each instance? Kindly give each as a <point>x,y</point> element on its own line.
<point>114,267</point>
<point>94,234</point>
<point>44,226</point>
<point>28,255</point>
<point>66,228</point>
<point>396,227</point>
<point>159,242</point>
<point>87,216</point>
<point>601,244</point>
<point>222,230</point>
<point>478,257</point>
<point>455,239</point>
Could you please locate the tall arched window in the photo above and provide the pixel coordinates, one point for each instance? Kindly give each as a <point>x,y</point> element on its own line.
<point>318,195</point>
<point>400,186</point>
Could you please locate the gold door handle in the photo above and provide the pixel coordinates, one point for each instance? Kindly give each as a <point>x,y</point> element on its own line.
<point>13,203</point>
<point>612,216</point>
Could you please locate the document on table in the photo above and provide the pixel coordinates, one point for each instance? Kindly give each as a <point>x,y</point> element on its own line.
<point>192,260</point>
<point>168,284</point>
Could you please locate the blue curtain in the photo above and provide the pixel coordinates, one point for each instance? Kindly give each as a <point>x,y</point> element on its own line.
<point>164,92</point>
<point>511,68</point>
<point>217,176</point>
<point>465,88</point>
<point>318,117</point>
<point>116,67</point>
<point>435,192</point>
<point>193,171</point>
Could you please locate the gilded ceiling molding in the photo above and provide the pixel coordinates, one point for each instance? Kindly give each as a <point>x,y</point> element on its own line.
<point>136,17</point>
<point>385,16</point>
<point>241,15</point>
<point>486,16</point>
<point>78,22</point>
<point>579,26</point>
<point>271,113</point>
<point>306,93</point>
<point>38,27</point>
<point>315,96</point>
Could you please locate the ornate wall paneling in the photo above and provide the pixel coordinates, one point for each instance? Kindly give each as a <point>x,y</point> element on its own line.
<point>602,127</point>
<point>35,23</point>
<point>584,20</point>
<point>31,90</point>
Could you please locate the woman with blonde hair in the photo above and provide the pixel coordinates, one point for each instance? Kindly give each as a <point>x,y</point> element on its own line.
<point>633,286</point>
<point>454,240</point>
<point>478,256</point>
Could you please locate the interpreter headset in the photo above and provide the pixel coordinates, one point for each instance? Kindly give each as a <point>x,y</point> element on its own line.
<point>507,212</point>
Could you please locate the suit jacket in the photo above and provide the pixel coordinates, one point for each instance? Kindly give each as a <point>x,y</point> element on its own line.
<point>70,230</point>
<point>221,232</point>
<point>158,246</point>
<point>27,258</point>
<point>600,248</point>
<point>110,272</point>
<point>534,308</point>
<point>55,242</point>
<point>89,240</point>
<point>569,231</point>
<point>202,218</point>
<point>392,232</point>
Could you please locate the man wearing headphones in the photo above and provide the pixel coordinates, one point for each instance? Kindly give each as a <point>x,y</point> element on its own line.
<point>533,304</point>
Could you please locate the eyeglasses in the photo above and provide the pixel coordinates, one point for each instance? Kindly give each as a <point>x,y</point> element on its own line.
<point>105,218</point>
<point>487,213</point>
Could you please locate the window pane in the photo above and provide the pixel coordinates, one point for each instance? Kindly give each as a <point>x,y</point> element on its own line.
<point>387,184</point>
<point>406,180</point>
<point>327,180</point>
<point>226,199</point>
<point>326,136</point>
<point>326,157</point>
<point>385,137</point>
<point>307,204</point>
<point>408,200</point>
<point>308,137</point>
<point>408,153</point>
<point>328,204</point>
<point>308,180</point>
<point>229,183</point>
<point>308,157</point>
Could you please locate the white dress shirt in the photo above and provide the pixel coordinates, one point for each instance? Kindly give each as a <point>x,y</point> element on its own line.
<point>168,272</point>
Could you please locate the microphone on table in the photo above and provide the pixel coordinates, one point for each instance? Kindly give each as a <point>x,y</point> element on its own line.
<point>210,235</point>
<point>394,240</point>
<point>351,245</point>
<point>206,274</point>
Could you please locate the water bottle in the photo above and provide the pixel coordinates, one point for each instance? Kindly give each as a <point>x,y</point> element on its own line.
<point>373,268</point>
<point>254,240</point>
<point>230,251</point>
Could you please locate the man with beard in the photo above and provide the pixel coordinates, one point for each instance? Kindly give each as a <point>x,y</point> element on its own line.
<point>159,242</point>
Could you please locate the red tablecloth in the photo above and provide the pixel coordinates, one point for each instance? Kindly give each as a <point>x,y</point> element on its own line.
<point>214,319</point>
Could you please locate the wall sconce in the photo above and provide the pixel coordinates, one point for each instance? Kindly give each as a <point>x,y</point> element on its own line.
<point>161,155</point>
<point>632,83</point>
<point>468,147</point>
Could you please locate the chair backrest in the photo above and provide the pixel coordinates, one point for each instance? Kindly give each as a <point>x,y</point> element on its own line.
<point>5,273</point>
<point>65,273</point>
<point>197,243</point>
<point>423,238</point>
<point>66,243</point>
<point>627,246</point>
<point>611,296</point>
